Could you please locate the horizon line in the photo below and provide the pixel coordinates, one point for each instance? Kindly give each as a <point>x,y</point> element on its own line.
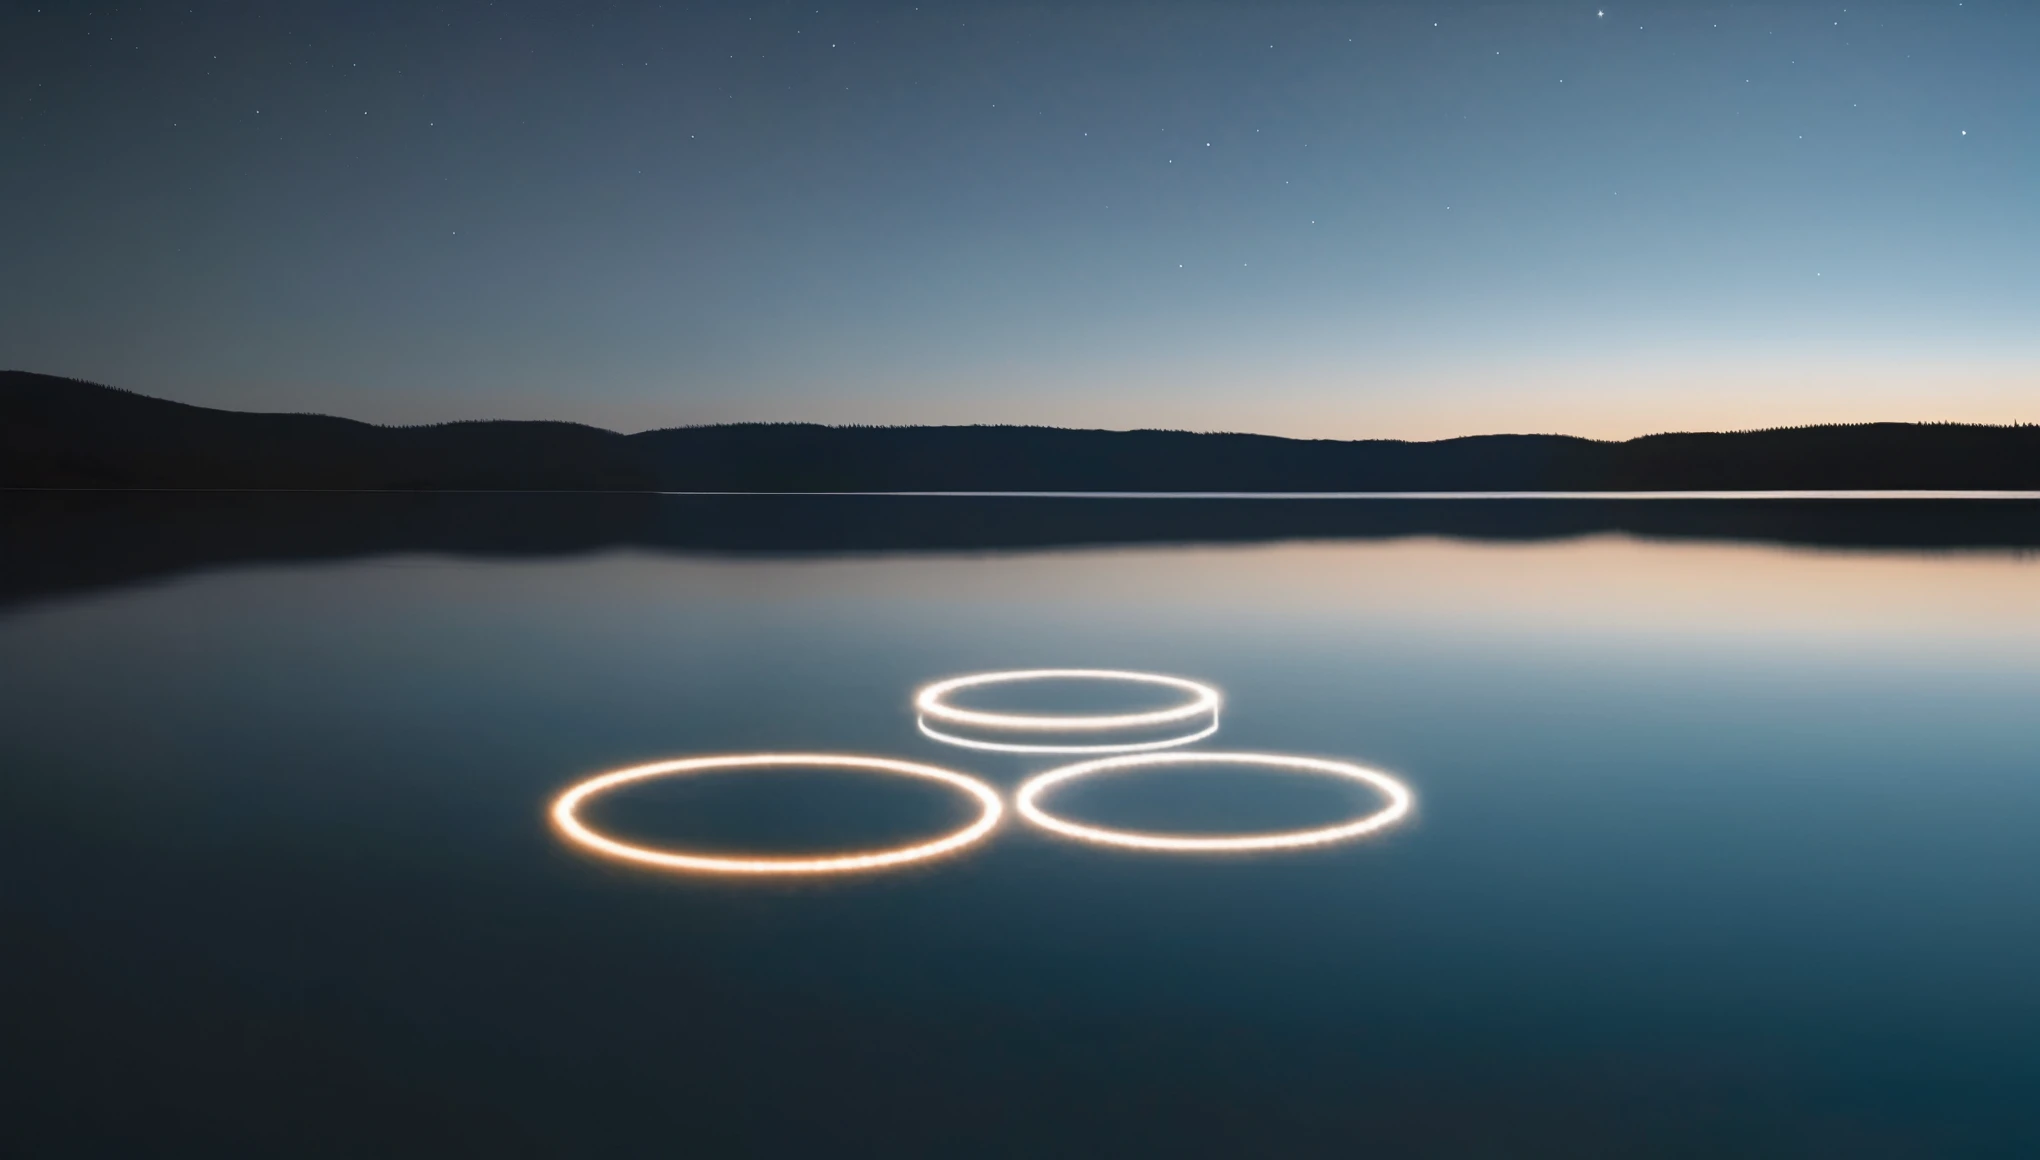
<point>2011,425</point>
<point>1718,495</point>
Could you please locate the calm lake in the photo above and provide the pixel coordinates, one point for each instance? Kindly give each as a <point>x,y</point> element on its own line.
<point>1726,837</point>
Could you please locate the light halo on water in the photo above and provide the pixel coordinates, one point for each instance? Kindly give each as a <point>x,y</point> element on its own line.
<point>1400,802</point>
<point>566,819</point>
<point>1073,750</point>
<point>930,701</point>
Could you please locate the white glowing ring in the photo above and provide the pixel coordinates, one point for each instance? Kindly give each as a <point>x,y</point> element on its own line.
<point>1398,807</point>
<point>1016,747</point>
<point>565,811</point>
<point>931,703</point>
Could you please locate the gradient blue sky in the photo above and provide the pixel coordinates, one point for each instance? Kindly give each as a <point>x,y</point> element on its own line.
<point>1391,219</point>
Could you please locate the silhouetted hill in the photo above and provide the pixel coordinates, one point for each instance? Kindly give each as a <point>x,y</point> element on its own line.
<point>58,432</point>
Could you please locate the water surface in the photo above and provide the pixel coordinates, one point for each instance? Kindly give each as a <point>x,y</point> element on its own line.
<point>1725,840</point>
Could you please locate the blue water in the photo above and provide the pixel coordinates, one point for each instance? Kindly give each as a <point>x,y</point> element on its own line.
<point>1724,846</point>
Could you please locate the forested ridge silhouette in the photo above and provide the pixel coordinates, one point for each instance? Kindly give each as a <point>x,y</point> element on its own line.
<point>67,433</point>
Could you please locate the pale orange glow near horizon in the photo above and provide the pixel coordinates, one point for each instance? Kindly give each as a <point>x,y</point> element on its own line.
<point>1591,398</point>
<point>1611,398</point>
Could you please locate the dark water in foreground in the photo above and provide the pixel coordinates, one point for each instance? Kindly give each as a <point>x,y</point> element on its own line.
<point>1727,840</point>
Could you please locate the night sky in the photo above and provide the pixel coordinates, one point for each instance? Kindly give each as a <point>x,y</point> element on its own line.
<point>1396,219</point>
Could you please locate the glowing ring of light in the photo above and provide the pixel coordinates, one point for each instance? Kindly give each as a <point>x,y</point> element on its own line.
<point>1398,807</point>
<point>930,701</point>
<point>565,815</point>
<point>1016,747</point>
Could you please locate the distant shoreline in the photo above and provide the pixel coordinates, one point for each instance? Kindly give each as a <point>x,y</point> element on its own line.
<point>1840,493</point>
<point>55,542</point>
<point>1597,496</point>
<point>66,433</point>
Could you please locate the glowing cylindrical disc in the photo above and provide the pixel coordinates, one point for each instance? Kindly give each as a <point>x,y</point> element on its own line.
<point>1198,714</point>
<point>565,815</point>
<point>932,701</point>
<point>1028,802</point>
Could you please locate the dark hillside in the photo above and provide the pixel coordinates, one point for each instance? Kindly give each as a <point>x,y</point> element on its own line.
<point>808,457</point>
<point>1839,457</point>
<point>58,432</point>
<point>65,433</point>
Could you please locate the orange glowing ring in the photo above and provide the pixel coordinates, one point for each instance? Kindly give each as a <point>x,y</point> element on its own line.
<point>1400,801</point>
<point>565,815</point>
<point>932,701</point>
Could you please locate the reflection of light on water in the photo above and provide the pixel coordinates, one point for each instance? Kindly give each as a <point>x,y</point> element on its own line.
<point>1016,747</point>
<point>1027,801</point>
<point>566,809</point>
<point>933,703</point>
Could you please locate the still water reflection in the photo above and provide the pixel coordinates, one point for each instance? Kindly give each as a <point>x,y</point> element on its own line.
<point>1727,842</point>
